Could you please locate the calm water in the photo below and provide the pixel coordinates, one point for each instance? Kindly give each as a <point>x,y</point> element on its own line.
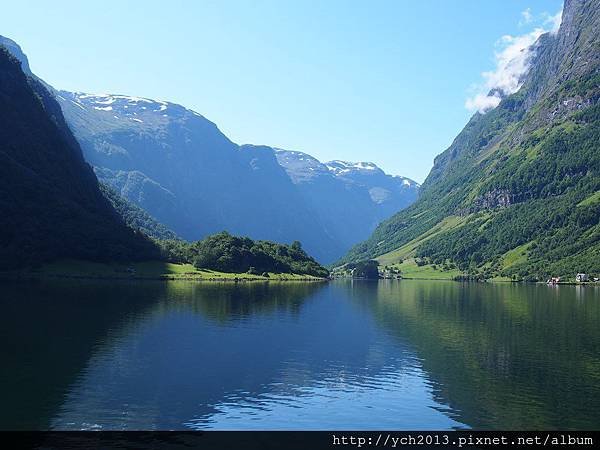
<point>341,355</point>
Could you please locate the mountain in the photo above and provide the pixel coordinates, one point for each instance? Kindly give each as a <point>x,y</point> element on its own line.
<point>182,170</point>
<point>178,167</point>
<point>517,192</point>
<point>350,199</point>
<point>50,200</point>
<point>135,217</point>
<point>15,50</point>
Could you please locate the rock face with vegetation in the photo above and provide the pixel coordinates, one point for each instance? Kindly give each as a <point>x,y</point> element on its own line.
<point>50,200</point>
<point>518,191</point>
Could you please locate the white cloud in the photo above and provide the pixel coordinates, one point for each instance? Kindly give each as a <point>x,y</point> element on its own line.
<point>526,16</point>
<point>512,59</point>
<point>553,21</point>
<point>482,102</point>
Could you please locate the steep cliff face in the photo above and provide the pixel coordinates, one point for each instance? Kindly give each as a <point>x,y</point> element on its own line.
<point>163,157</point>
<point>15,50</point>
<point>49,197</point>
<point>349,199</point>
<point>559,62</point>
<point>523,174</point>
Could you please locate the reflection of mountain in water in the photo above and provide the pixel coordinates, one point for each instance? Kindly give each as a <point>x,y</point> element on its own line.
<point>399,355</point>
<point>48,331</point>
<point>503,356</point>
<point>248,356</point>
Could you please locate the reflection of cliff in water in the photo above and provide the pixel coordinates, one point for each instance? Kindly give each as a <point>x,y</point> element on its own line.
<point>51,329</point>
<point>205,354</point>
<point>503,356</point>
<point>48,332</point>
<point>408,354</point>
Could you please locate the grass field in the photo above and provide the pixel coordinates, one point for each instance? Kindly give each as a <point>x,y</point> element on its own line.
<point>410,270</point>
<point>150,270</point>
<point>515,256</point>
<point>408,249</point>
<point>594,198</point>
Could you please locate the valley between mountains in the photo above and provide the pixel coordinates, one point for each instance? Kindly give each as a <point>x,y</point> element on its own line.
<point>117,178</point>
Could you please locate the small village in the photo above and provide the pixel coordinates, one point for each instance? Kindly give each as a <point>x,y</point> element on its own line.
<point>370,270</point>
<point>580,278</point>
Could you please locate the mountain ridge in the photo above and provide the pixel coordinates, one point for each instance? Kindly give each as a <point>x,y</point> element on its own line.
<point>514,176</point>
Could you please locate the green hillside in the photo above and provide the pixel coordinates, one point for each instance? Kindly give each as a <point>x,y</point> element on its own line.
<point>223,252</point>
<point>135,217</point>
<point>517,194</point>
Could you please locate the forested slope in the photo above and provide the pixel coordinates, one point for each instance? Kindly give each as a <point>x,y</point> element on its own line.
<point>520,184</point>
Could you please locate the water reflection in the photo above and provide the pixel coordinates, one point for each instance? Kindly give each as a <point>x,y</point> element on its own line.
<point>370,355</point>
<point>502,355</point>
<point>48,330</point>
<point>251,356</point>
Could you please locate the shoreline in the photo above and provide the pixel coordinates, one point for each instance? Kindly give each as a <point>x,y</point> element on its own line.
<point>563,283</point>
<point>77,270</point>
<point>144,271</point>
<point>236,279</point>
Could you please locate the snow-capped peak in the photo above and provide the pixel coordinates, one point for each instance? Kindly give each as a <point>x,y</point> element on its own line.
<point>103,101</point>
<point>407,181</point>
<point>339,167</point>
<point>127,109</point>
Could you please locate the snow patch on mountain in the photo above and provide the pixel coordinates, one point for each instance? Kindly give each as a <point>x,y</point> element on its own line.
<point>110,112</point>
<point>340,167</point>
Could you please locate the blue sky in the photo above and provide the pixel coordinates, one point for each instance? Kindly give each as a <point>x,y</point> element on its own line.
<point>380,81</point>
